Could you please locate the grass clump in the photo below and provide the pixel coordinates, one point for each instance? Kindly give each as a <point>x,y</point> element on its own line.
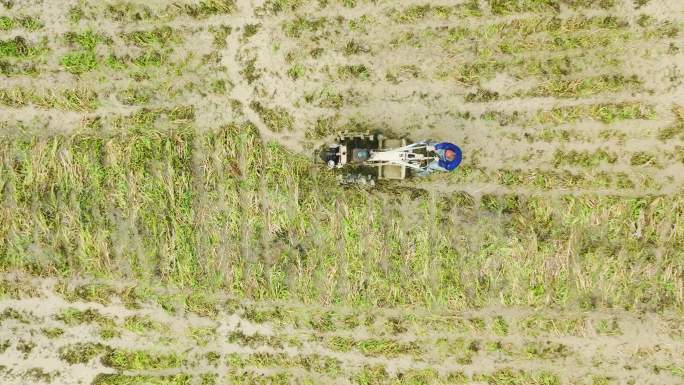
<point>502,118</point>
<point>87,40</point>
<point>17,69</point>
<point>73,316</point>
<point>26,22</point>
<point>587,86</point>
<point>258,378</point>
<point>84,59</point>
<point>207,8</point>
<point>582,35</point>
<point>602,380</point>
<point>202,304</point>
<point>385,347</point>
<point>481,95</point>
<point>583,158</point>
<point>296,71</point>
<point>503,204</point>
<point>642,158</point>
<point>120,379</point>
<point>90,292</point>
<point>136,96</point>
<point>75,14</point>
<point>81,353</point>
<point>52,333</point>
<point>157,38</point>
<point>500,326</point>
<point>370,375</point>
<point>396,325</point>
<point>275,7</point>
<point>202,336</point>
<point>522,32</point>
<point>80,99</point>
<point>671,368</point>
<point>425,376</point>
<point>79,62</point>
<point>324,126</point>
<point>578,40</point>
<point>373,347</point>
<point>221,33</point>
<point>12,313</point>
<point>510,377</point>
<point>250,30</point>
<point>678,154</point>
<point>16,289</point>
<point>460,349</point>
<point>328,97</point>
<point>537,324</point>
<point>143,324</point>
<point>356,71</point>
<point>623,181</point>
<point>39,375</point>
<point>297,27</point>
<point>415,13</point>
<point>21,49</point>
<point>604,112</point>
<point>276,119</point>
<point>505,7</point>
<point>276,314</point>
<point>360,24</point>
<point>140,360</point>
<point>353,47</point>
<point>341,344</point>
<point>472,72</point>
<point>314,362</point>
<point>122,11</point>
<point>6,23</point>
<point>30,23</point>
<point>250,70</point>
<point>25,346</point>
<point>402,73</point>
<point>254,340</point>
<point>208,379</point>
<point>663,30</point>
<point>116,63</point>
<point>324,322</point>
<point>151,58</point>
<point>676,128</point>
<point>546,350</point>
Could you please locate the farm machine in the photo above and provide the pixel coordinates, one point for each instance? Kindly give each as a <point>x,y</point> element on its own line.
<point>367,158</point>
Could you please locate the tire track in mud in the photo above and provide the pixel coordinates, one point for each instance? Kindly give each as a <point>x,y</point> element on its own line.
<point>612,336</point>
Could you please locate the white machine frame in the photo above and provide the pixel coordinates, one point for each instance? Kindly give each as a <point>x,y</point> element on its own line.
<point>393,157</point>
<point>402,156</point>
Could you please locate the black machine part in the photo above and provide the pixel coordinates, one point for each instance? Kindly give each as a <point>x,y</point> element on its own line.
<point>360,155</point>
<point>331,155</point>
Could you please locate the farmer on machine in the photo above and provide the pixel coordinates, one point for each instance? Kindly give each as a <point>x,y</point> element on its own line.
<point>447,159</point>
